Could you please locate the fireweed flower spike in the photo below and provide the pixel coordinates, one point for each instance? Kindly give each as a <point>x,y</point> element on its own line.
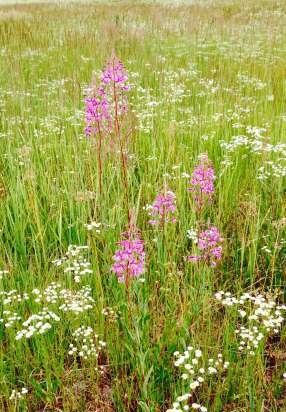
<point>115,73</point>
<point>129,258</point>
<point>209,245</point>
<point>106,103</point>
<point>104,109</point>
<point>202,182</point>
<point>98,122</point>
<point>97,114</point>
<point>115,81</point>
<point>163,209</point>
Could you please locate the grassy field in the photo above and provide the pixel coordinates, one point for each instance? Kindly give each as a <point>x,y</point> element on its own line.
<point>207,96</point>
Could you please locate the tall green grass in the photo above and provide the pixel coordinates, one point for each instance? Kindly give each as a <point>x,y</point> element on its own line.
<point>48,170</point>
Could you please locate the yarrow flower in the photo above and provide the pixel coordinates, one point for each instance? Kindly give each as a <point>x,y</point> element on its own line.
<point>202,182</point>
<point>17,395</point>
<point>163,209</point>
<point>130,257</point>
<point>87,343</point>
<point>195,372</point>
<point>209,245</point>
<point>260,317</point>
<point>75,262</point>
<point>3,274</point>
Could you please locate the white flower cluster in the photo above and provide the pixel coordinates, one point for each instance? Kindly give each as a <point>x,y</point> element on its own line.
<point>192,234</point>
<point>261,316</point>
<point>18,394</point>
<point>93,226</point>
<point>87,343</point>
<point>109,313</point>
<point>3,273</point>
<point>67,299</point>
<point>49,295</point>
<point>195,371</point>
<point>75,262</point>
<point>9,318</point>
<point>76,302</point>
<point>272,169</point>
<point>37,324</point>
<point>256,142</point>
<point>246,80</point>
<point>12,296</point>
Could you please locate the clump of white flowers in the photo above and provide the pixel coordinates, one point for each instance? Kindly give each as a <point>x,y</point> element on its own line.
<point>87,343</point>
<point>48,295</point>
<point>255,142</point>
<point>9,318</point>
<point>109,314</point>
<point>192,234</point>
<point>93,226</point>
<point>74,262</point>
<point>53,299</point>
<point>272,169</point>
<point>17,395</point>
<point>260,316</point>
<point>12,296</point>
<point>37,324</point>
<point>195,371</point>
<point>76,302</point>
<point>66,299</point>
<point>3,273</point>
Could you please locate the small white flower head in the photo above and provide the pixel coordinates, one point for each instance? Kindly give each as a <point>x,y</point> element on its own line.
<point>17,395</point>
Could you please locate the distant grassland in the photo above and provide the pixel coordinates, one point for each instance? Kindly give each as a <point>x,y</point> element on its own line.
<point>206,78</point>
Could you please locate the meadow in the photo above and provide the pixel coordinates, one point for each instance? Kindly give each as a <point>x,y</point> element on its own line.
<point>143,213</point>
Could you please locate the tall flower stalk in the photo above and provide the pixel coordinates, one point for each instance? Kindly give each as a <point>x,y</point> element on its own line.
<point>209,243</point>
<point>98,122</point>
<point>202,183</point>
<point>115,80</point>
<point>129,258</point>
<point>163,209</point>
<point>106,107</point>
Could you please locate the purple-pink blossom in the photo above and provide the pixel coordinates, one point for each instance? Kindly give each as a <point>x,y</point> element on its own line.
<point>108,102</point>
<point>97,113</point>
<point>115,73</point>
<point>115,81</point>
<point>210,248</point>
<point>202,182</point>
<point>129,258</point>
<point>163,209</point>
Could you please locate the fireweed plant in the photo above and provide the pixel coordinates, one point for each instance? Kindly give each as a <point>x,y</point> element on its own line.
<point>129,258</point>
<point>163,209</point>
<point>105,109</point>
<point>209,244</point>
<point>193,124</point>
<point>209,241</point>
<point>202,183</point>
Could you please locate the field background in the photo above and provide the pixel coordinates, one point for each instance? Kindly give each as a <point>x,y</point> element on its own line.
<point>201,74</point>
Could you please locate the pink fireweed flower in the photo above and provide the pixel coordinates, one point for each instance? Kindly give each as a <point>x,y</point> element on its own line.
<point>107,102</point>
<point>129,259</point>
<point>202,182</point>
<point>115,72</point>
<point>209,245</point>
<point>115,82</point>
<point>163,209</point>
<point>97,113</point>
